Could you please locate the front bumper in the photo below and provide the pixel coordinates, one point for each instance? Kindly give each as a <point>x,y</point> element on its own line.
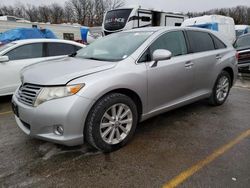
<point>40,122</point>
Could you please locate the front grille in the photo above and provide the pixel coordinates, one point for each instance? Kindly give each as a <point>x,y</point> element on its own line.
<point>27,94</point>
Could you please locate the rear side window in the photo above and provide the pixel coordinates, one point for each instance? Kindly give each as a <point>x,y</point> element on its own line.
<point>28,51</point>
<point>57,49</point>
<point>172,41</point>
<point>218,44</point>
<point>200,41</point>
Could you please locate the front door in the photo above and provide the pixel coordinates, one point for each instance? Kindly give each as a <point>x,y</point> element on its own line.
<point>20,57</point>
<point>170,81</point>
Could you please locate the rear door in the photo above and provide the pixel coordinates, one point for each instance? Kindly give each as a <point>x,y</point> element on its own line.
<point>19,58</point>
<point>208,51</point>
<point>57,49</point>
<point>170,81</point>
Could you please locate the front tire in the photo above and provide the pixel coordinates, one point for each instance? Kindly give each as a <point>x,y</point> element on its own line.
<point>111,122</point>
<point>221,89</point>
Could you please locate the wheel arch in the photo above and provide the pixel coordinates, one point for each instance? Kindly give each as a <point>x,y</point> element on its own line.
<point>230,72</point>
<point>131,94</point>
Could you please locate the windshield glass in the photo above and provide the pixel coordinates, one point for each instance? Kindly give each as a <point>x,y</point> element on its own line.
<point>116,19</point>
<point>114,47</point>
<point>243,41</point>
<point>5,46</point>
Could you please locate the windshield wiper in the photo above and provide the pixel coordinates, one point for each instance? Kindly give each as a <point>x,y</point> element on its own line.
<point>73,54</point>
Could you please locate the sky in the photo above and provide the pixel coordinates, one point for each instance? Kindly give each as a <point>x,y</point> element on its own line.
<point>166,5</point>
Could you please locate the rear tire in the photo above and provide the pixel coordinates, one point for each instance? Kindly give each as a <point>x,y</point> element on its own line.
<point>111,122</point>
<point>221,89</point>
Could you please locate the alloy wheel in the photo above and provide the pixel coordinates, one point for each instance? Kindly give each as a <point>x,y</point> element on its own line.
<point>116,123</point>
<point>222,88</point>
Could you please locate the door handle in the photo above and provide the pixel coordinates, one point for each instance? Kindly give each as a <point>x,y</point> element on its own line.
<point>218,57</point>
<point>189,64</point>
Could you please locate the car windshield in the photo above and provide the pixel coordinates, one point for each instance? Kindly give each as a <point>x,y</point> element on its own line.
<point>243,41</point>
<point>115,47</point>
<point>5,46</point>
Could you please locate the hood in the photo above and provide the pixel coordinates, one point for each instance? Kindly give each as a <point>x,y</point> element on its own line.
<point>61,71</point>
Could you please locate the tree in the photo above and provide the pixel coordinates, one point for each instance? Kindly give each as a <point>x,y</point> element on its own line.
<point>31,12</point>
<point>56,13</point>
<point>44,13</point>
<point>113,4</point>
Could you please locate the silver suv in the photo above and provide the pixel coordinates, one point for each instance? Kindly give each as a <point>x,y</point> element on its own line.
<point>101,93</point>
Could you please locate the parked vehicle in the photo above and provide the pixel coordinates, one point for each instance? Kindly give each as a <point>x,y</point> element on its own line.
<point>223,24</point>
<point>242,29</point>
<point>108,87</point>
<point>16,55</point>
<point>73,32</point>
<point>242,45</point>
<point>25,33</point>
<point>136,17</point>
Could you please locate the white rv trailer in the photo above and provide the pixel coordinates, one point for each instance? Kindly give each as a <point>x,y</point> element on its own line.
<point>223,24</point>
<point>62,31</point>
<point>129,18</point>
<point>12,18</point>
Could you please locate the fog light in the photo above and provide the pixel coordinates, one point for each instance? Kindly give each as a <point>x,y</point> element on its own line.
<point>58,130</point>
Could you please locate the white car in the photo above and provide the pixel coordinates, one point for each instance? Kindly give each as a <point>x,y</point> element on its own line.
<point>16,55</point>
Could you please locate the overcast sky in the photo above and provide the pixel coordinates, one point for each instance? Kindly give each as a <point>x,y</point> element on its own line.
<point>167,5</point>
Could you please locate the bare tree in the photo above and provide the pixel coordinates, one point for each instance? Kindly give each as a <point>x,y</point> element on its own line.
<point>240,14</point>
<point>99,12</point>
<point>113,4</point>
<point>44,13</point>
<point>56,13</point>
<point>7,10</point>
<point>19,10</point>
<point>31,12</point>
<point>77,9</point>
<point>69,14</point>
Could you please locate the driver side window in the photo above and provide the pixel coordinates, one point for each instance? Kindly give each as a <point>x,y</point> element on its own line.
<point>173,41</point>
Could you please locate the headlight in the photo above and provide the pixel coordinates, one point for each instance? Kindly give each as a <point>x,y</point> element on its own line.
<point>49,93</point>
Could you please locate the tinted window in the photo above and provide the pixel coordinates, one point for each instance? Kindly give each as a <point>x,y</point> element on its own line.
<point>116,19</point>
<point>68,36</point>
<point>27,51</point>
<point>57,49</point>
<point>218,43</point>
<point>172,41</point>
<point>200,41</point>
<point>243,41</point>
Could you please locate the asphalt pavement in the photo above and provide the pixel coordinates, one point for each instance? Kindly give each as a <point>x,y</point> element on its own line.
<point>193,146</point>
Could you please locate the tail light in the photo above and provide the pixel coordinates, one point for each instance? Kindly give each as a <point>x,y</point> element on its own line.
<point>237,55</point>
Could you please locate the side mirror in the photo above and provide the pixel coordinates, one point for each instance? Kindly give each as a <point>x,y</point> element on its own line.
<point>4,59</point>
<point>160,55</point>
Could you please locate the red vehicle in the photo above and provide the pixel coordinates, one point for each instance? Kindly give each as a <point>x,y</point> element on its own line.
<point>242,45</point>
